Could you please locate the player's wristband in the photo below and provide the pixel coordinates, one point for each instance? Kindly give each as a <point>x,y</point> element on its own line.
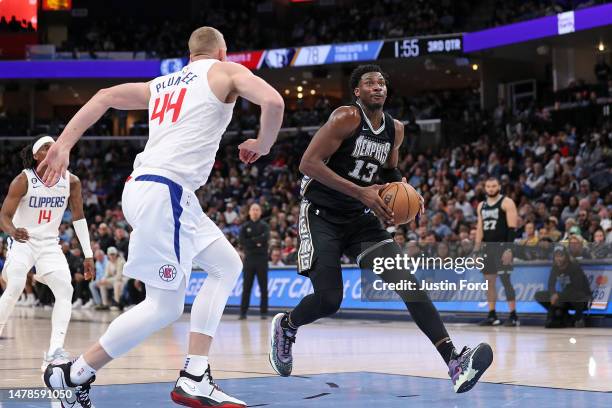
<point>511,235</point>
<point>391,175</point>
<point>82,233</point>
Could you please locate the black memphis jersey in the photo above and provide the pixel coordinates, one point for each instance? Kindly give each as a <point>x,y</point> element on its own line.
<point>494,221</point>
<point>359,159</point>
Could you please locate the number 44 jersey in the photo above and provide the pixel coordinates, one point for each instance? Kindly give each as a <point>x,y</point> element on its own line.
<point>359,159</point>
<point>41,209</point>
<point>186,122</point>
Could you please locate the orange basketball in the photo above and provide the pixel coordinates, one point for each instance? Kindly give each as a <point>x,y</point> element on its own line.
<point>403,200</point>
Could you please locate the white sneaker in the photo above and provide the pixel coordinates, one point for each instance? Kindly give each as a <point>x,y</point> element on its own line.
<point>57,377</point>
<point>89,305</point>
<point>77,304</point>
<point>59,356</point>
<point>202,391</point>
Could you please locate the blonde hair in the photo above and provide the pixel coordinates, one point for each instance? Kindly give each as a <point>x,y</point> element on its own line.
<point>206,41</point>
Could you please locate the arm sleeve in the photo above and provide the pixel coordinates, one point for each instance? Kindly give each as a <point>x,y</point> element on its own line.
<point>82,233</point>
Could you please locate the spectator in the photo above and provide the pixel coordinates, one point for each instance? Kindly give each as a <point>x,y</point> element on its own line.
<point>113,279</point>
<point>82,294</point>
<point>101,261</point>
<point>275,258</point>
<point>600,249</point>
<point>577,248</point>
<point>122,242</point>
<point>568,288</point>
<point>104,237</point>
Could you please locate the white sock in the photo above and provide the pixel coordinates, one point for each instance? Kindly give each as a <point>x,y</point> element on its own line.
<point>81,372</point>
<point>196,365</point>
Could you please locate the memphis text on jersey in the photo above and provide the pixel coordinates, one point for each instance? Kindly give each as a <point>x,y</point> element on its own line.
<point>366,147</point>
<point>492,213</point>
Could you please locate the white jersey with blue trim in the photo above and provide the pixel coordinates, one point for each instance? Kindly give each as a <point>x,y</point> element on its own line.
<point>41,209</point>
<point>186,122</point>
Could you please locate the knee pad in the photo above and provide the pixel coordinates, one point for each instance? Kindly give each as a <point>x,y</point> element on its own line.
<point>330,300</point>
<point>508,288</point>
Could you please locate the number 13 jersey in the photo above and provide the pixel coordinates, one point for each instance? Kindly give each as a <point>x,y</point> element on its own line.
<point>186,122</point>
<point>41,209</point>
<point>359,159</point>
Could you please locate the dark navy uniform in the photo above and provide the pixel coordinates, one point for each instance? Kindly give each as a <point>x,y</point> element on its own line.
<point>332,223</point>
<point>495,231</point>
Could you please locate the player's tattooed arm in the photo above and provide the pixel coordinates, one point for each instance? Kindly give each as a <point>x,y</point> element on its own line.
<point>393,160</point>
<point>129,96</point>
<point>340,126</point>
<point>76,199</point>
<point>17,189</point>
<point>78,221</point>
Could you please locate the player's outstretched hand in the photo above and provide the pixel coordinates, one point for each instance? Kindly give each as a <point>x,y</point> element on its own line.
<point>55,164</point>
<point>88,268</point>
<point>250,150</point>
<point>20,235</point>
<point>370,197</point>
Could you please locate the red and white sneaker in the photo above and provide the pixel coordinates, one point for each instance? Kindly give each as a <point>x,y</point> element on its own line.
<point>200,392</point>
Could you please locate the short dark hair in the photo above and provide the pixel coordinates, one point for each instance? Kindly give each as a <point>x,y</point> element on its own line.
<point>364,69</point>
<point>492,178</point>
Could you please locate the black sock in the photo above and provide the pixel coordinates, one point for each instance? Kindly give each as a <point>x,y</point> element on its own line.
<point>492,314</point>
<point>446,349</point>
<point>513,314</point>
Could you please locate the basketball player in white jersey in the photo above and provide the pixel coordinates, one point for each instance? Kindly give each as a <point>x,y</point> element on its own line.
<point>188,113</point>
<point>31,215</point>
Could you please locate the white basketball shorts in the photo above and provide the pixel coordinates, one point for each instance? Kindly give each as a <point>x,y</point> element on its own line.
<point>169,229</point>
<point>45,255</point>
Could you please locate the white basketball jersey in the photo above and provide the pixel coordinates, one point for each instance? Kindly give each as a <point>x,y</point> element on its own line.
<point>186,122</point>
<point>42,208</point>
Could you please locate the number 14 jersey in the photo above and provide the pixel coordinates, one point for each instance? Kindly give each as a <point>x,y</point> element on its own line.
<point>41,209</point>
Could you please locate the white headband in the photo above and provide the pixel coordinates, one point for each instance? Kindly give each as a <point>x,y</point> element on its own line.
<point>40,142</point>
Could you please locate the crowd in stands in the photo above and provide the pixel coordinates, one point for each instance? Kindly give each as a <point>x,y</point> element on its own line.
<point>15,26</point>
<point>511,11</point>
<point>559,178</point>
<point>302,24</point>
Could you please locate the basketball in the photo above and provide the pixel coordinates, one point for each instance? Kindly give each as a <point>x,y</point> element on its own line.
<point>403,200</point>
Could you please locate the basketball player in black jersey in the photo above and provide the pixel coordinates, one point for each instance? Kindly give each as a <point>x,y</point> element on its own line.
<point>497,218</point>
<point>357,148</point>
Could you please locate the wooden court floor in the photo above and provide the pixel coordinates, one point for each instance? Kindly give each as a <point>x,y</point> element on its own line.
<point>578,359</point>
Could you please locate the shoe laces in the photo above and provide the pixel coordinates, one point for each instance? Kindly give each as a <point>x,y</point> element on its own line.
<point>211,381</point>
<point>454,365</point>
<point>82,395</point>
<point>287,342</point>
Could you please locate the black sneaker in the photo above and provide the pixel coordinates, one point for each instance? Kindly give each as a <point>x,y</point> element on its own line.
<point>281,340</point>
<point>57,378</point>
<point>491,320</point>
<point>512,320</point>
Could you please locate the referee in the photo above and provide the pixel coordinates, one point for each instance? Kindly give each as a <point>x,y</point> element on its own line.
<point>254,236</point>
